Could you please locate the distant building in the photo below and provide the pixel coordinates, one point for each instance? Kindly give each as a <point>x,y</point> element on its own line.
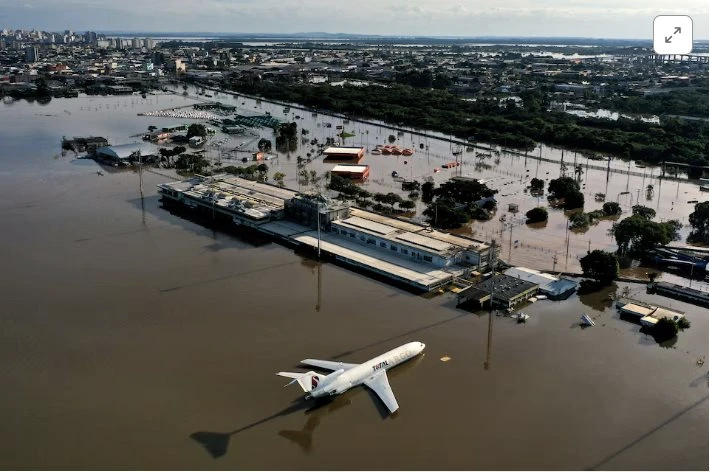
<point>344,153</point>
<point>352,171</point>
<point>126,152</point>
<point>148,43</point>
<point>31,54</point>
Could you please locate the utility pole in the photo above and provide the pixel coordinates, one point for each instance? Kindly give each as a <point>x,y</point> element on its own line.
<point>554,262</point>
<point>319,203</point>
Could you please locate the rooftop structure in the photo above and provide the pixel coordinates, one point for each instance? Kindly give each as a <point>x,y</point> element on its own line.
<point>123,152</point>
<point>648,315</point>
<point>412,241</point>
<point>507,291</point>
<point>352,171</point>
<point>245,202</point>
<point>555,288</point>
<point>678,291</point>
<point>344,153</point>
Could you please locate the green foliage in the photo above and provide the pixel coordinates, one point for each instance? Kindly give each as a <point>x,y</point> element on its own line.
<point>192,163</point>
<point>427,192</point>
<point>643,211</point>
<point>440,110</point>
<point>343,185</point>
<point>407,205</point>
<point>536,215</point>
<point>264,145</point>
<point>196,129</point>
<point>601,266</point>
<point>286,136</point>
<point>664,330</point>
<point>579,220</point>
<point>683,323</point>
<point>391,138</point>
<point>562,187</point>
<point>537,185</point>
<point>574,200</point>
<point>464,191</point>
<point>611,208</point>
<point>279,178</point>
<point>443,214</point>
<point>698,219</point>
<point>691,102</point>
<point>637,235</point>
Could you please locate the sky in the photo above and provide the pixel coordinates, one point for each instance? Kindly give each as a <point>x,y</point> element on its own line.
<point>580,18</point>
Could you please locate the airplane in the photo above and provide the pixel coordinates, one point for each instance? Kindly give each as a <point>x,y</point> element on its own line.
<point>344,376</point>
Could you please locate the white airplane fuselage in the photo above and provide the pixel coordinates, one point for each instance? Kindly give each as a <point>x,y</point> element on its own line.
<point>342,380</point>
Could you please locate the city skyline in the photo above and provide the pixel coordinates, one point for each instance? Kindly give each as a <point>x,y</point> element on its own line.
<point>629,19</point>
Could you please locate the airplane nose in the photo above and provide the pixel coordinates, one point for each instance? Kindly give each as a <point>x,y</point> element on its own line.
<point>422,346</point>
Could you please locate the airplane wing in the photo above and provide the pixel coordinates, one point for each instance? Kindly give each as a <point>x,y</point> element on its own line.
<point>328,365</point>
<point>379,384</point>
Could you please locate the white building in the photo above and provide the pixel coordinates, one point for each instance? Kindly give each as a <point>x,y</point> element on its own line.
<point>411,241</point>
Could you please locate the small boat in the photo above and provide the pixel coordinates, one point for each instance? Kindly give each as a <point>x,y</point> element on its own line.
<point>541,297</point>
<point>586,320</point>
<point>376,152</point>
<point>407,152</point>
<point>522,317</point>
<point>396,151</point>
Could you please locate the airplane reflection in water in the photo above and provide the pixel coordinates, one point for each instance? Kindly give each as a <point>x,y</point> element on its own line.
<point>344,376</point>
<point>315,410</point>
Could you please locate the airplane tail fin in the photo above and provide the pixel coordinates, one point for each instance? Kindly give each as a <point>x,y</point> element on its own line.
<point>307,380</point>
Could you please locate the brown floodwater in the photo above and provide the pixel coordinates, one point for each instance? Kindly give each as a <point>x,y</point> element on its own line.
<point>134,339</point>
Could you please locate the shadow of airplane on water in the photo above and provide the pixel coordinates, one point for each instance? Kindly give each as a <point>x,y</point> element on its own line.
<point>217,443</point>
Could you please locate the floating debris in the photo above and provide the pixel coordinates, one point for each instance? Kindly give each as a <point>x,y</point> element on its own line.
<point>445,359</point>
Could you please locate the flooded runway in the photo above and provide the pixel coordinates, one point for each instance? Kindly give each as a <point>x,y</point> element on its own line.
<point>133,339</point>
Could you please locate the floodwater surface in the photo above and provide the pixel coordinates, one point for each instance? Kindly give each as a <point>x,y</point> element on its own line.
<point>134,339</point>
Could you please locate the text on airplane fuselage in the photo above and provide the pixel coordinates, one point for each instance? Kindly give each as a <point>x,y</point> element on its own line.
<point>379,366</point>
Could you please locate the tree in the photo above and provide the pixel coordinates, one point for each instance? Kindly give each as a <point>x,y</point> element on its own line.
<point>601,266</point>
<point>464,191</point>
<point>537,185</point>
<point>574,200</point>
<point>664,330</point>
<point>279,178</point>
<point>637,235</point>
<point>579,220</point>
<point>536,215</point>
<point>407,205</point>
<point>427,191</point>
<point>264,145</point>
<point>196,129</point>
<point>699,221</point>
<point>392,199</point>
<point>443,214</point>
<point>562,187</point>
<point>643,211</point>
<point>611,208</point>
